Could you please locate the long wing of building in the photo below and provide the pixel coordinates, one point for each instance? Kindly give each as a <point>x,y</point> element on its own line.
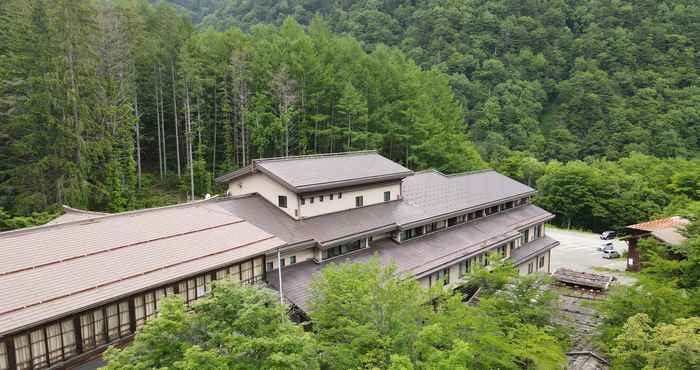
<point>73,287</point>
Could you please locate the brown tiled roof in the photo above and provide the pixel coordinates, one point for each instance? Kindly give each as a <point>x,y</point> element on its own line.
<point>416,257</point>
<point>667,230</point>
<point>51,271</point>
<point>325,171</point>
<point>675,222</point>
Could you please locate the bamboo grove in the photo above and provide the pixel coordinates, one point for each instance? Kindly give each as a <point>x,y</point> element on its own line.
<point>121,104</point>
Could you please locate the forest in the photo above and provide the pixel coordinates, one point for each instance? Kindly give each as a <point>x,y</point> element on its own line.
<point>124,104</point>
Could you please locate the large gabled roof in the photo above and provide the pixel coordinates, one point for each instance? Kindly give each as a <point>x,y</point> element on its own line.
<point>51,271</point>
<point>324,171</point>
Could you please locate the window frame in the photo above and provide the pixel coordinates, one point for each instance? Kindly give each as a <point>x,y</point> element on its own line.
<point>387,195</point>
<point>359,201</point>
<point>282,201</point>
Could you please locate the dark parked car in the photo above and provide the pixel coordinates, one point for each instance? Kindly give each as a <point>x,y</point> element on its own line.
<point>607,235</point>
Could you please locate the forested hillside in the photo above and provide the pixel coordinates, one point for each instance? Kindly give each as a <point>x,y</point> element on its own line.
<point>123,104</point>
<point>560,79</point>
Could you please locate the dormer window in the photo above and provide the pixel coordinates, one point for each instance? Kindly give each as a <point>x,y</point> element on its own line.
<point>282,201</point>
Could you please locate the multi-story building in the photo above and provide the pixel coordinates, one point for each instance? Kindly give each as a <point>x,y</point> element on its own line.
<point>89,280</point>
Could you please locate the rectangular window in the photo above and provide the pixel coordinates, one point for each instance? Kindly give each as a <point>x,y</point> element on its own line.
<point>191,290</point>
<point>479,214</point>
<point>283,261</point>
<point>311,200</point>
<point>150,304</point>
<point>39,358</point>
<point>541,261</point>
<point>92,329</point>
<point>359,201</point>
<point>387,196</point>
<point>282,201</point>
<point>529,268</point>
<point>526,236</point>
<point>235,273</point>
<point>246,271</point>
<point>303,201</point>
<point>258,267</point>
<point>292,260</point>
<point>201,286</point>
<point>270,266</point>
<point>23,356</point>
<point>4,357</point>
<point>340,195</point>
<point>68,334</point>
<point>113,321</point>
<point>330,196</point>
<point>320,198</point>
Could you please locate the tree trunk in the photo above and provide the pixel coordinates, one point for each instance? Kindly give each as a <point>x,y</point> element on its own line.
<point>177,132</point>
<point>162,121</point>
<point>138,141</point>
<point>160,149</point>
<point>213,154</point>
<point>189,141</point>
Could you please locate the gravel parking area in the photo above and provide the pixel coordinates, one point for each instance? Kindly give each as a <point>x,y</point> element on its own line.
<point>579,251</point>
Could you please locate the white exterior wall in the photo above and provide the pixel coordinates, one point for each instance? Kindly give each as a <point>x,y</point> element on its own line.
<point>371,195</point>
<point>523,267</point>
<point>302,255</point>
<point>267,188</point>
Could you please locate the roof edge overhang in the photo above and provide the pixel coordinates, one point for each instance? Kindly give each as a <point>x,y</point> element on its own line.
<point>343,239</point>
<point>505,238</point>
<point>125,295</point>
<point>228,177</point>
<point>552,244</point>
<point>427,220</point>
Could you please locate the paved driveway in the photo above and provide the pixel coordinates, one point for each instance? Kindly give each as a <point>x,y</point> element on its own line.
<point>579,251</point>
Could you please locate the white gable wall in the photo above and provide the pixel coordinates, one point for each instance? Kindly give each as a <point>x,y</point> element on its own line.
<point>371,194</point>
<point>267,188</point>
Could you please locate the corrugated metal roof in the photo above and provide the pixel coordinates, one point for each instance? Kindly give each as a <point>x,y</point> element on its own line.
<point>421,255</point>
<point>54,270</point>
<point>325,171</point>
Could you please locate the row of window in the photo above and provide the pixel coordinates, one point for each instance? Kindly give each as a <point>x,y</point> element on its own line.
<point>342,249</point>
<point>460,219</point>
<point>467,265</point>
<point>540,265</point>
<point>54,343</point>
<point>359,200</point>
<point>283,262</point>
<point>320,198</point>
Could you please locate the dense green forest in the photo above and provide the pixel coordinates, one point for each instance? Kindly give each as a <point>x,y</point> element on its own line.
<point>123,104</point>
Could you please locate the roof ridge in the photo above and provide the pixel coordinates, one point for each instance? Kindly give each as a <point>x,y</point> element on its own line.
<point>101,217</point>
<point>317,155</point>
<point>457,174</point>
<point>83,211</point>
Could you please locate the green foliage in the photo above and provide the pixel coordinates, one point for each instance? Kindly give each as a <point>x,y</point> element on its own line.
<point>664,346</point>
<point>366,316</point>
<point>236,327</point>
